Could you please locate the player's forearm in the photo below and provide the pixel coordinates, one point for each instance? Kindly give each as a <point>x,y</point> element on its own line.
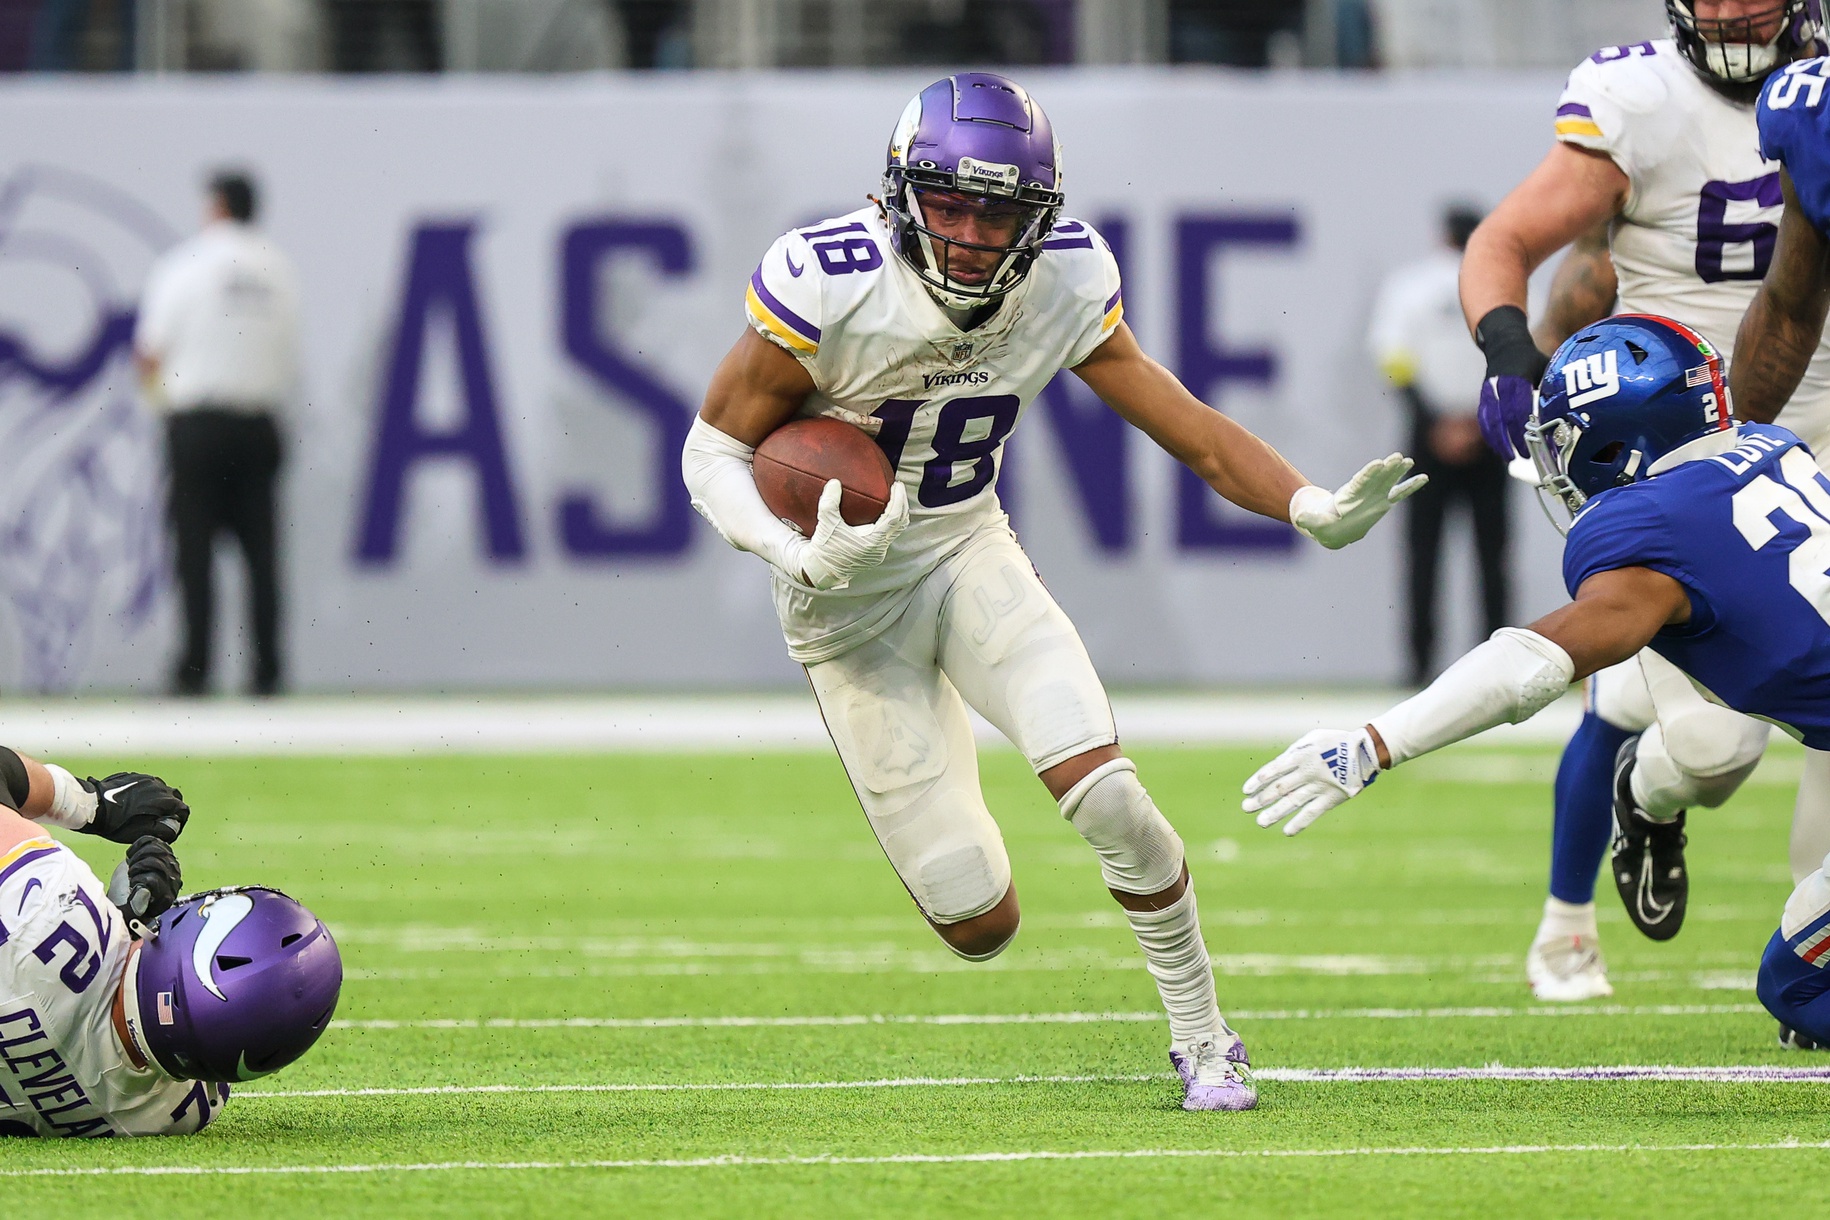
<point>1246,470</point>
<point>1495,270</point>
<point>717,470</point>
<point>1772,350</point>
<point>45,792</point>
<point>1583,291</point>
<point>1510,678</point>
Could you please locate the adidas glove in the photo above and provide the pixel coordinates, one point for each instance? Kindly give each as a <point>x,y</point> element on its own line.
<point>145,885</point>
<point>130,805</point>
<point>1325,768</point>
<point>837,552</point>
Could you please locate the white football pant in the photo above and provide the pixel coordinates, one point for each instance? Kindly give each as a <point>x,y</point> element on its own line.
<point>982,631</point>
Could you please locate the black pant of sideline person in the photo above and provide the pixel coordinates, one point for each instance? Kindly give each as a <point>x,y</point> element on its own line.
<point>1462,470</point>
<point>223,465</point>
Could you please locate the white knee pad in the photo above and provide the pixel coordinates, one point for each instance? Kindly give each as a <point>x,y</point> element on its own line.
<point>1709,740</point>
<point>1694,773</point>
<point>1139,851</point>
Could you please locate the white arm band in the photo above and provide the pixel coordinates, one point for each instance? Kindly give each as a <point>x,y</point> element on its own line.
<point>717,470</point>
<point>72,805</point>
<point>1512,677</point>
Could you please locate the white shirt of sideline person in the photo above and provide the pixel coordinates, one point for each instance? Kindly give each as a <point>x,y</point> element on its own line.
<point>218,324</point>
<point>1419,338</point>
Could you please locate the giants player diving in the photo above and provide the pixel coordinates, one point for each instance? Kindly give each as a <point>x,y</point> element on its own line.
<point>1658,177</point>
<point>933,318</point>
<point>127,1010</point>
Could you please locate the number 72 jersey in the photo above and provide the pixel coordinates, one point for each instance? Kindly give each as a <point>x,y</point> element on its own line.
<point>940,401</point>
<point>1747,533</point>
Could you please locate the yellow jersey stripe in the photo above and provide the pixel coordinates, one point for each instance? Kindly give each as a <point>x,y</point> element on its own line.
<point>26,848</point>
<point>1113,316</point>
<point>776,326</point>
<point>1573,126</point>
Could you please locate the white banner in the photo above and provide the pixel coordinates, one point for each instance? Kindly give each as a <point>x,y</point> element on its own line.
<point>515,292</point>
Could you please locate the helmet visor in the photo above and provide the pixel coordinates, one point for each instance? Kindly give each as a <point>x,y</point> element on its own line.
<point>973,242</point>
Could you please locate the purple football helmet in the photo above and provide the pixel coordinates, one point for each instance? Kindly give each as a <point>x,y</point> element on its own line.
<point>1730,50</point>
<point>980,141</point>
<point>232,984</point>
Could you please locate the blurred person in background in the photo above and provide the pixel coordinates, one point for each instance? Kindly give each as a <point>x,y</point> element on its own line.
<point>1421,343</point>
<point>1657,177</point>
<point>216,345</point>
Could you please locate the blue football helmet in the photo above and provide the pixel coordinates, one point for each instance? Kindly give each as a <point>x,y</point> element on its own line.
<point>1616,398</point>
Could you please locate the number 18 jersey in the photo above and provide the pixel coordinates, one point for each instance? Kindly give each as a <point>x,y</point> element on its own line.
<point>1695,236</point>
<point>1747,533</point>
<point>940,401</point>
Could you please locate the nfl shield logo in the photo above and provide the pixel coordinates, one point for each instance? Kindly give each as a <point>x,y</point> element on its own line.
<point>962,351</point>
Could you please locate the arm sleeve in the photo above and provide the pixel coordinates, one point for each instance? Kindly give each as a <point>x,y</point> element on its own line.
<point>1101,289</point>
<point>1512,677</point>
<point>782,302</point>
<point>718,474</point>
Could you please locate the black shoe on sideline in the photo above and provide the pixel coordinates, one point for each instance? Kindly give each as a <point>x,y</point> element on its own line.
<point>1648,857</point>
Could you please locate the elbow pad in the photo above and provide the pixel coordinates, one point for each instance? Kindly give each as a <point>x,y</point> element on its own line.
<point>719,476</point>
<point>1512,677</point>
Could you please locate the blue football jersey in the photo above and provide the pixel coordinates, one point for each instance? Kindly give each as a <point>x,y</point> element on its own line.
<point>1747,533</point>
<point>1794,118</point>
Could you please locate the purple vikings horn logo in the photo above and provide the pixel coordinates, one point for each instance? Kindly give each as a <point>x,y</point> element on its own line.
<point>81,520</point>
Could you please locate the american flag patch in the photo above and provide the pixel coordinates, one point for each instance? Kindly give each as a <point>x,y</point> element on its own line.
<point>1813,947</point>
<point>1697,376</point>
<point>165,1008</point>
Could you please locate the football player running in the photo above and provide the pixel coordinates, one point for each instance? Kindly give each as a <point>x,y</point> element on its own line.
<point>932,318</point>
<point>1700,539</point>
<point>1658,178</point>
<point>120,1012</point>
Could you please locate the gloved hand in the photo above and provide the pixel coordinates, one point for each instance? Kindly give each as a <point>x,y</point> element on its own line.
<point>1506,404</point>
<point>1510,389</point>
<point>1323,769</point>
<point>147,882</point>
<point>837,552</point>
<point>1335,519</point>
<point>129,805</point>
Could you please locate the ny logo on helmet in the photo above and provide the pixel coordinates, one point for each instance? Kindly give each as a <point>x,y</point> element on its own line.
<point>1591,377</point>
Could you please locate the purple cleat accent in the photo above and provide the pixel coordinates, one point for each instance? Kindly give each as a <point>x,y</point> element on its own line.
<point>1216,1080</point>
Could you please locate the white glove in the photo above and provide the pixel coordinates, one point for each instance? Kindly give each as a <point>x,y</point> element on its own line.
<point>837,552</point>
<point>1323,769</point>
<point>1335,519</point>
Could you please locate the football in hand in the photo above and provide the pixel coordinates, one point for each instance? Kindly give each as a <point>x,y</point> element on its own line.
<point>794,463</point>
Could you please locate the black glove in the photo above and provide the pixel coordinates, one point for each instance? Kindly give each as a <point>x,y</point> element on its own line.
<point>153,879</point>
<point>129,805</point>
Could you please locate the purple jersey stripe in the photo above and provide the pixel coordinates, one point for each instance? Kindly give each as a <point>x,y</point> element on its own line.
<point>1113,300</point>
<point>807,329</point>
<point>1574,108</point>
<point>24,860</point>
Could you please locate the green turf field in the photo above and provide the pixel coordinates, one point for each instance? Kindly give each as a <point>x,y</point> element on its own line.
<point>482,902</point>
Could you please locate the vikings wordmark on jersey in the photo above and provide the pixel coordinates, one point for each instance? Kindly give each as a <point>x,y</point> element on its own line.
<point>942,401</point>
<point>1696,233</point>
<point>63,1069</point>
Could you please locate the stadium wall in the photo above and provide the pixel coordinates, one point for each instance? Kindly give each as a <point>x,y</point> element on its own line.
<point>516,291</point>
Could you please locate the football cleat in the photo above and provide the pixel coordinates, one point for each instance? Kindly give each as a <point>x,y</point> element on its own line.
<point>1213,1079</point>
<point>1792,1040</point>
<point>1648,857</point>
<point>1567,969</point>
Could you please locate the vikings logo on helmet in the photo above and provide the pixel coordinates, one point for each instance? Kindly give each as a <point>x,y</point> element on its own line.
<point>1617,399</point>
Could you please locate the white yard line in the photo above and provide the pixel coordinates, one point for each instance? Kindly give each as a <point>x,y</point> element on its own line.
<point>904,1158</point>
<point>725,723</point>
<point>1732,1074</point>
<point>1052,1018</point>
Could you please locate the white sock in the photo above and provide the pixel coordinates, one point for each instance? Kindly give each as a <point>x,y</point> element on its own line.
<point>1566,919</point>
<point>1177,957</point>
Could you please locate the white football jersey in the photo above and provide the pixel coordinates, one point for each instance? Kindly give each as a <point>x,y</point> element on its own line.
<point>63,1070</point>
<point>1696,234</point>
<point>941,401</point>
